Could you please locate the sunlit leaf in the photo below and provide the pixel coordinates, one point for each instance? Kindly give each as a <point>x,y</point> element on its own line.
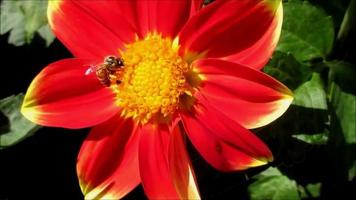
<point>46,33</point>
<point>9,17</point>
<point>311,94</point>
<point>345,109</point>
<point>344,102</point>
<point>23,19</point>
<point>13,126</point>
<point>285,68</point>
<point>35,17</point>
<point>17,35</point>
<point>307,32</point>
<point>272,185</point>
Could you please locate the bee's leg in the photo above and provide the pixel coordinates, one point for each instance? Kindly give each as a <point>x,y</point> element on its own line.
<point>113,78</point>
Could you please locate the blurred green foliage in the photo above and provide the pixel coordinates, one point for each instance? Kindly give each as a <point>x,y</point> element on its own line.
<point>14,127</point>
<point>23,19</point>
<point>271,184</point>
<point>299,35</point>
<point>312,58</point>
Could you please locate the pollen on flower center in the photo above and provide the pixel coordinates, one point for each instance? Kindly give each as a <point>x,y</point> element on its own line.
<point>153,79</point>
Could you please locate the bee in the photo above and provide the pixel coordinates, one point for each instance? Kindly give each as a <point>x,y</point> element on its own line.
<point>110,66</point>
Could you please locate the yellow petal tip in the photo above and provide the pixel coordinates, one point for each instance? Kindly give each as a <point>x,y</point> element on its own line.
<point>30,113</point>
<point>272,5</point>
<point>53,7</point>
<point>260,162</point>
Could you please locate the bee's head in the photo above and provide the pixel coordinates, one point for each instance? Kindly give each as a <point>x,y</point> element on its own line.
<point>113,62</point>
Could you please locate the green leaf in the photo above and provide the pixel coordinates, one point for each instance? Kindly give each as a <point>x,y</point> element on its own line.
<point>9,17</point>
<point>17,35</point>
<point>348,22</point>
<point>343,115</point>
<point>272,185</point>
<point>342,96</point>
<point>311,94</point>
<point>344,105</point>
<point>343,74</point>
<point>313,189</point>
<point>317,139</point>
<point>285,68</point>
<point>35,17</point>
<point>352,171</point>
<point>46,33</point>
<point>310,191</point>
<point>307,32</point>
<point>14,127</point>
<point>23,19</point>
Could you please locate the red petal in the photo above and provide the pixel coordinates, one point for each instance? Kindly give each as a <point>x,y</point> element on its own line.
<point>108,160</point>
<point>221,141</point>
<point>63,96</point>
<point>180,167</point>
<point>153,158</point>
<point>166,17</point>
<point>250,97</point>
<point>90,29</point>
<point>226,27</point>
<point>259,54</point>
<point>196,6</point>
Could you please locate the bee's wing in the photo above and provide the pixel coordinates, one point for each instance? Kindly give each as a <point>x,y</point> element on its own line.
<point>91,69</point>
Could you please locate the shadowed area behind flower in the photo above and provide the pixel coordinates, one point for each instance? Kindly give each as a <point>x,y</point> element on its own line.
<point>312,143</point>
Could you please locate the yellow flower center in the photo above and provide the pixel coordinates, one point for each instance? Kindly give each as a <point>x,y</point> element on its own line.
<point>152,80</point>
